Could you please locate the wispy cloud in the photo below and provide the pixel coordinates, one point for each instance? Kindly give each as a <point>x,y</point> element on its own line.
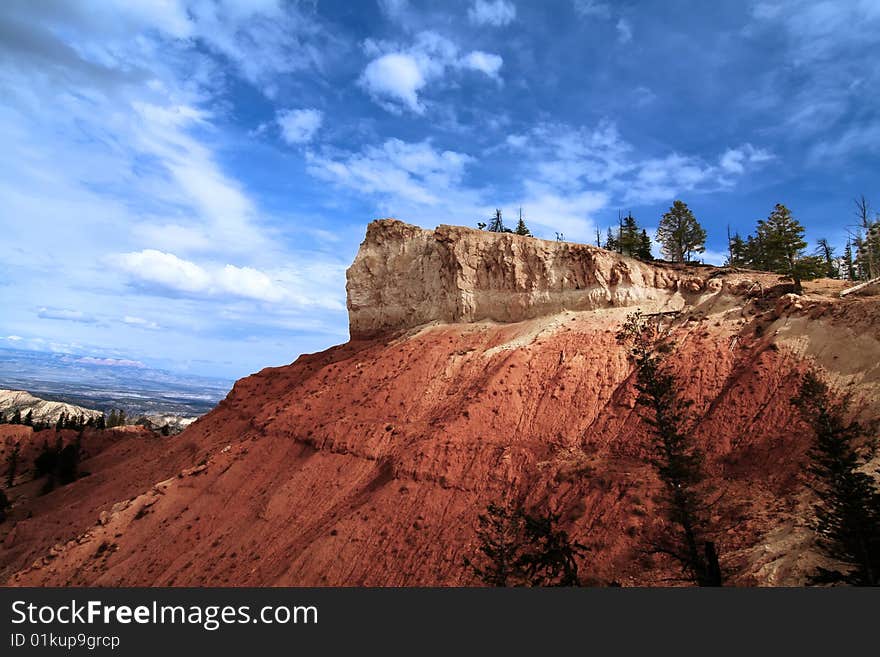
<point>414,172</point>
<point>820,97</point>
<point>110,362</point>
<point>65,314</point>
<point>492,12</point>
<point>568,175</point>
<point>592,8</point>
<point>299,126</point>
<point>140,322</point>
<point>624,31</point>
<point>575,159</point>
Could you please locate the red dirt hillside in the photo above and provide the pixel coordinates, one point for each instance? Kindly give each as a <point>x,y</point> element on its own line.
<point>480,365</point>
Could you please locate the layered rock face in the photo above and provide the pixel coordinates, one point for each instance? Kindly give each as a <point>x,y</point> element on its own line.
<point>368,463</point>
<point>405,276</point>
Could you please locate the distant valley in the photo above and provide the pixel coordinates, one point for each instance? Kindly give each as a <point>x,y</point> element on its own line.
<point>95,384</point>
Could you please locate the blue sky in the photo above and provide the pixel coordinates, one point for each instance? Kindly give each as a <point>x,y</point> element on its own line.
<point>184,182</point>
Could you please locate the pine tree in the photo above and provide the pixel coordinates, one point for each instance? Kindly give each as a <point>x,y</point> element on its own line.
<point>848,273</point>
<point>676,459</point>
<point>68,461</point>
<point>868,240</point>
<point>12,463</point>
<point>114,419</point>
<point>680,234</point>
<point>497,225</point>
<point>826,252</point>
<point>45,461</point>
<point>16,417</point>
<point>29,418</point>
<point>782,240</point>
<point>629,238</point>
<point>521,228</point>
<point>736,248</point>
<point>755,254</point>
<point>847,515</point>
<point>644,250</point>
<point>518,548</point>
<point>611,242</point>
<point>4,504</point>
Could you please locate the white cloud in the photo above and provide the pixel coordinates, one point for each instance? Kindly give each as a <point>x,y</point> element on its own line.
<point>569,213</point>
<point>711,257</point>
<point>818,97</point>
<point>249,283</point>
<point>482,61</point>
<point>624,31</point>
<point>394,9</point>
<point>568,175</point>
<point>643,96</point>
<point>419,183</point>
<point>397,75</point>
<point>307,286</point>
<point>140,322</point>
<point>299,126</point>
<point>415,172</point>
<point>856,139</point>
<point>109,362</point>
<point>570,160</point>
<point>592,8</point>
<point>14,338</point>
<point>165,270</point>
<point>65,314</point>
<point>487,12</point>
<point>735,160</point>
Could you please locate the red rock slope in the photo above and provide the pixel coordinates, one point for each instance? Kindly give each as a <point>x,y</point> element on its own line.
<point>367,464</point>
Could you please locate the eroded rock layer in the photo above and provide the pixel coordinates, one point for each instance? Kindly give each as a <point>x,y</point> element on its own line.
<point>405,276</point>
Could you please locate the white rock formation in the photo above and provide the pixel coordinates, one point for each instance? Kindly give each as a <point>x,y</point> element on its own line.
<point>43,410</point>
<point>406,276</point>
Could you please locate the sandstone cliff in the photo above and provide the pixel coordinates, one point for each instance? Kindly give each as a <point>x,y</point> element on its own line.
<point>482,366</point>
<point>405,276</point>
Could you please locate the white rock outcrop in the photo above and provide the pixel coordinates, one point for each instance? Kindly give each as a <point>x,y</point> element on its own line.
<point>405,276</point>
<point>43,410</point>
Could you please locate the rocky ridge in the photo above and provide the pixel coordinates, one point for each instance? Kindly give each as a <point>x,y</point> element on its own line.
<point>406,276</point>
<point>43,410</point>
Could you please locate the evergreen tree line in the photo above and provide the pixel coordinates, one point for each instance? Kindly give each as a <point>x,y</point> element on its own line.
<point>59,463</point>
<point>777,244</point>
<point>527,548</point>
<point>680,234</point>
<point>629,239</point>
<point>66,420</point>
<point>496,225</point>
